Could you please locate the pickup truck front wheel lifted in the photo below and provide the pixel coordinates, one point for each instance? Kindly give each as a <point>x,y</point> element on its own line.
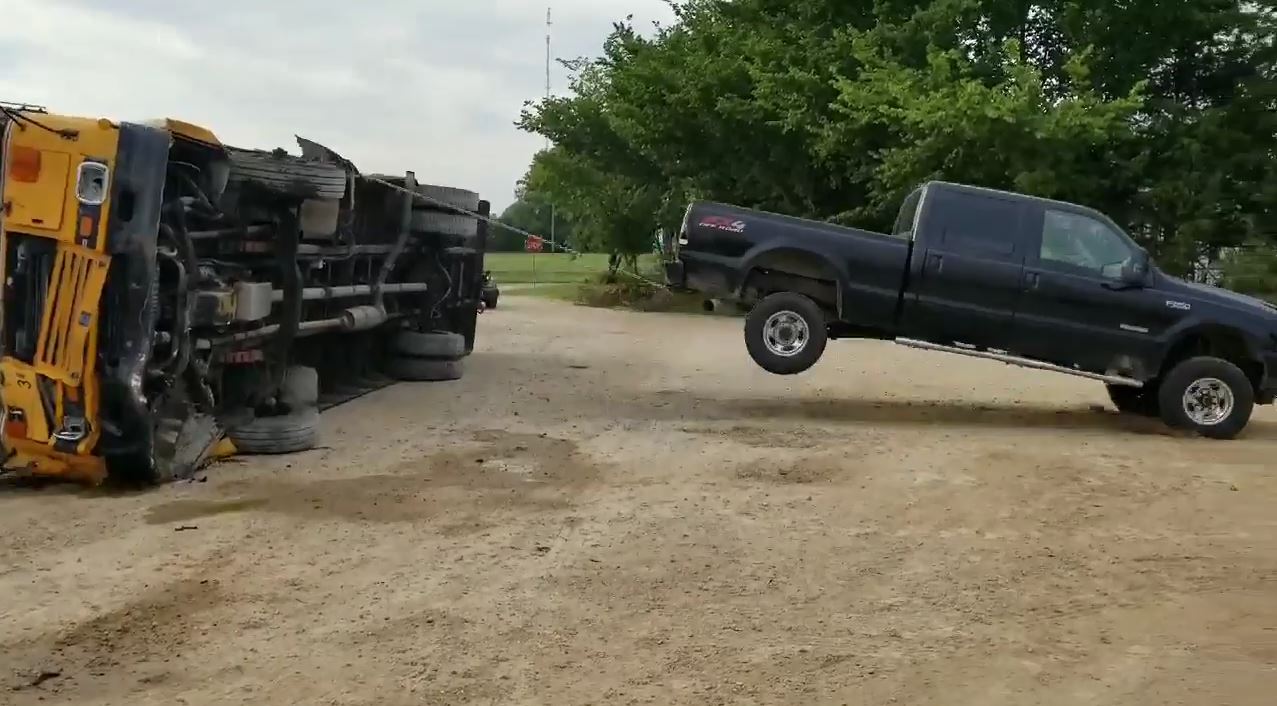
<point>1210,396</point>
<point>786,333</point>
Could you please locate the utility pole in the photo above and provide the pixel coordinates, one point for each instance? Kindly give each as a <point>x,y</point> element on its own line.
<point>549,27</point>
<point>549,30</point>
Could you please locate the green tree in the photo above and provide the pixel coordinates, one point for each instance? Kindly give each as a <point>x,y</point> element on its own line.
<point>1160,114</point>
<point>534,213</point>
<point>610,213</point>
<point>1251,269</point>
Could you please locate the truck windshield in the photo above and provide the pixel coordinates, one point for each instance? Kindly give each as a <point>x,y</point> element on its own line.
<point>907,216</point>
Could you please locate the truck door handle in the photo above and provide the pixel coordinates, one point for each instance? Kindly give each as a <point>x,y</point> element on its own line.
<point>1032,279</point>
<point>938,262</point>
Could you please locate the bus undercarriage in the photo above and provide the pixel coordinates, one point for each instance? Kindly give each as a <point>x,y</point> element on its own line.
<point>163,290</point>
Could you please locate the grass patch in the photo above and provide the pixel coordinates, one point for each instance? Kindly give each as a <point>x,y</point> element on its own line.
<point>600,296</point>
<point>629,293</point>
<point>551,268</point>
<point>582,280</point>
<point>562,291</point>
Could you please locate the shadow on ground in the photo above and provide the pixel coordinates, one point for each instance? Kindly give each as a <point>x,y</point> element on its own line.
<point>922,412</point>
<point>25,485</point>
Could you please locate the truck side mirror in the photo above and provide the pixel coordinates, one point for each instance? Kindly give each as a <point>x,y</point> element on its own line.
<point>1135,272</point>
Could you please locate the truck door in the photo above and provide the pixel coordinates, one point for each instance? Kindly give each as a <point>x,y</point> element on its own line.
<point>966,270</point>
<point>1075,310</point>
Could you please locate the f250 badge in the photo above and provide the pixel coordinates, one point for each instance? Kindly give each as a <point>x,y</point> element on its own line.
<point>1180,306</point>
<point>722,223</point>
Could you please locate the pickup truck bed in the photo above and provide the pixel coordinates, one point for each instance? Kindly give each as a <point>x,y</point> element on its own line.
<point>728,252</point>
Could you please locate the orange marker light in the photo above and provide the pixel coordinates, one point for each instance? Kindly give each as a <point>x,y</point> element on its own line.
<point>15,428</point>
<point>24,164</point>
<point>86,226</point>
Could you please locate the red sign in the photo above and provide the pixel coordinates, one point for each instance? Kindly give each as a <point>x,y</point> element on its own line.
<point>533,243</point>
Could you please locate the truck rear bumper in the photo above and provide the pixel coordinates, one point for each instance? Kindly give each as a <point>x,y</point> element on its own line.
<point>712,279</point>
<point>675,274</point>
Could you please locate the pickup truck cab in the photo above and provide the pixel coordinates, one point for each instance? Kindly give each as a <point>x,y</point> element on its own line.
<point>1019,279</point>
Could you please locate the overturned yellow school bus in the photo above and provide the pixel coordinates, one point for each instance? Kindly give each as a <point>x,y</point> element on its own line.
<point>163,291</point>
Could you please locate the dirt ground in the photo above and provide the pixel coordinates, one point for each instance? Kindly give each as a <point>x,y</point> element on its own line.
<point>618,508</point>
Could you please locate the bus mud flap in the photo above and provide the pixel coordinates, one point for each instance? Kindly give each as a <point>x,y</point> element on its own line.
<point>183,448</point>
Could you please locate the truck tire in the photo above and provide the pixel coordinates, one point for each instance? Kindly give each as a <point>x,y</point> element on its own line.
<point>300,388</point>
<point>286,174</point>
<point>786,333</point>
<point>438,223</point>
<point>289,433</point>
<point>1139,401</point>
<point>444,196</point>
<point>1209,396</point>
<point>440,345</point>
<point>424,369</point>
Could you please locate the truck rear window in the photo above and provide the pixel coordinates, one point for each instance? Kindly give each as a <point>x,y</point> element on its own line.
<point>977,222</point>
<point>905,220</point>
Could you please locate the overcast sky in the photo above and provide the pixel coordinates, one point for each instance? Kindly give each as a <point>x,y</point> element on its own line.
<point>428,85</point>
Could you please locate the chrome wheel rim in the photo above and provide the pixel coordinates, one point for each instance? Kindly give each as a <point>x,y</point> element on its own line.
<point>786,334</point>
<point>1208,401</point>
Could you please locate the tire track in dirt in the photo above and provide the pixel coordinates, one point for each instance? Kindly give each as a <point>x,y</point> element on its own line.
<point>970,534</point>
<point>130,646</point>
<point>465,490</point>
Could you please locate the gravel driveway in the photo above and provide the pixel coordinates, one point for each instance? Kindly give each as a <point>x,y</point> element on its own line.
<point>617,508</point>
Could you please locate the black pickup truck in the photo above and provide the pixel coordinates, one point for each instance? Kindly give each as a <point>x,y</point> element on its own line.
<point>1018,279</point>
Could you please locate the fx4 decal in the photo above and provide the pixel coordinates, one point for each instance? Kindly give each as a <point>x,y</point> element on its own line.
<point>729,225</point>
<point>1181,306</point>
